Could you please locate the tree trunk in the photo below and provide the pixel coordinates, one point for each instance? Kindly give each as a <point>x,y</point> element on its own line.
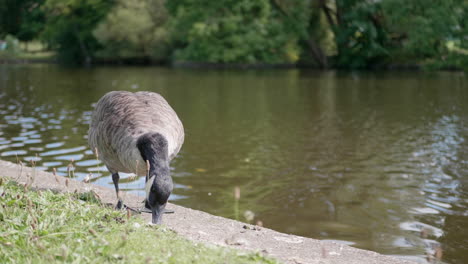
<point>318,54</point>
<point>328,14</point>
<point>84,51</point>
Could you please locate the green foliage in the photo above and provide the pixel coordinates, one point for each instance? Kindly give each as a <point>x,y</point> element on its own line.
<point>69,27</point>
<point>44,227</point>
<point>134,29</point>
<point>354,33</point>
<point>229,31</point>
<point>10,10</point>
<point>433,33</point>
<point>376,32</point>
<point>424,27</point>
<point>360,37</point>
<point>32,20</point>
<point>11,48</point>
<point>12,44</point>
<point>21,18</point>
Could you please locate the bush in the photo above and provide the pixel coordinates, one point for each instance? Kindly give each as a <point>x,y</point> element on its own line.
<point>421,30</point>
<point>229,31</point>
<point>69,28</point>
<point>10,47</point>
<point>134,29</point>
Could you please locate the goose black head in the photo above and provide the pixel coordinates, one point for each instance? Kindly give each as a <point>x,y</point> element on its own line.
<point>158,189</point>
<point>154,149</point>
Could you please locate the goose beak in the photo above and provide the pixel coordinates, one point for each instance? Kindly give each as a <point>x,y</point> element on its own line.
<point>156,214</point>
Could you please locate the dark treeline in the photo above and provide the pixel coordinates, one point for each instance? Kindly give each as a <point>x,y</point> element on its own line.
<point>322,33</point>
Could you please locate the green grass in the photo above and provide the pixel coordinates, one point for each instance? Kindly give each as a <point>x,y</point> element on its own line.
<point>44,227</point>
<point>43,55</point>
<point>31,51</point>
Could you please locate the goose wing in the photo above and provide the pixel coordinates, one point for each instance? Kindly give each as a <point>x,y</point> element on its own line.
<point>121,117</point>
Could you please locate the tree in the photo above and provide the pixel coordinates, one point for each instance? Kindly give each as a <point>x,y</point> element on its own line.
<point>305,21</point>
<point>69,27</point>
<point>21,18</point>
<point>360,35</point>
<point>228,31</point>
<point>134,29</point>
<point>10,12</point>
<point>420,29</point>
<point>370,32</point>
<point>32,20</point>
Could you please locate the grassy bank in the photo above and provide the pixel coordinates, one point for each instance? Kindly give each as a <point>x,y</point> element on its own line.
<point>27,52</point>
<point>42,226</point>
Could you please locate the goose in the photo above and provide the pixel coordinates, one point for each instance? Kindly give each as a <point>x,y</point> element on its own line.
<point>133,131</point>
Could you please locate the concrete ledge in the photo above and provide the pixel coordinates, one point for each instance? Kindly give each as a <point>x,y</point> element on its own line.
<point>203,227</point>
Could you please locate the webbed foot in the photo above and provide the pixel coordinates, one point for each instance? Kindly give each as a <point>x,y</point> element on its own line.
<point>121,206</point>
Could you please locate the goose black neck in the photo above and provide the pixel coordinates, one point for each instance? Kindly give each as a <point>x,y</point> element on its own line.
<point>154,148</point>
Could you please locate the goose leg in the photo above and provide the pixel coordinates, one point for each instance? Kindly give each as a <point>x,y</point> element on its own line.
<point>120,205</point>
<point>115,179</point>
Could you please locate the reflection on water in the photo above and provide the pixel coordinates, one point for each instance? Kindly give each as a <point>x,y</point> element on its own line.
<point>375,160</point>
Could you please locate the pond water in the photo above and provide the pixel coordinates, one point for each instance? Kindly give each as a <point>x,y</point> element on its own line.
<point>374,160</point>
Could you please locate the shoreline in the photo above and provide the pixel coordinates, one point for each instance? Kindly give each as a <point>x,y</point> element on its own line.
<point>147,62</point>
<point>202,227</point>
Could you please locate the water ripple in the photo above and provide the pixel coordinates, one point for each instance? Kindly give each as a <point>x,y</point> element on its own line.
<point>374,161</point>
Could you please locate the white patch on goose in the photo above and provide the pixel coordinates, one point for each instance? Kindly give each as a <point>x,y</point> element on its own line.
<point>148,186</point>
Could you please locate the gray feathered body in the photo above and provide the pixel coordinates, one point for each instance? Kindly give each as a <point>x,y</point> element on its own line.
<point>121,117</point>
